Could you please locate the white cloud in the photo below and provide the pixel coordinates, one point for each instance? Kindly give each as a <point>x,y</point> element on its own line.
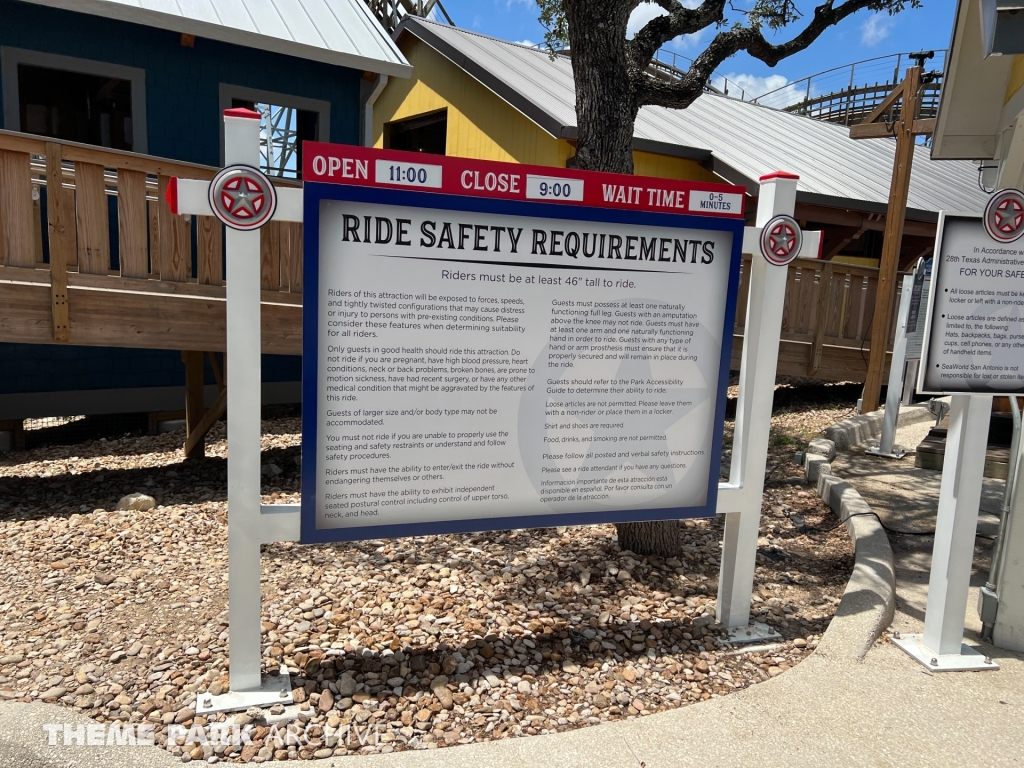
<point>646,11</point>
<point>689,42</point>
<point>875,29</point>
<point>528,43</point>
<point>642,14</point>
<point>752,85</point>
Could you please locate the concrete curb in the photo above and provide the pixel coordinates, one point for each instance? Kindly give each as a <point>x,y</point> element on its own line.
<point>869,602</point>
<point>868,426</point>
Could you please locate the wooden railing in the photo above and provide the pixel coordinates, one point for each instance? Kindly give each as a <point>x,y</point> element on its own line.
<point>77,216</point>
<point>851,105</point>
<point>826,321</point>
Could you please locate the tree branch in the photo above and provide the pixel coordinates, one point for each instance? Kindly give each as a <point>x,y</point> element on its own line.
<point>679,20</point>
<point>681,94</point>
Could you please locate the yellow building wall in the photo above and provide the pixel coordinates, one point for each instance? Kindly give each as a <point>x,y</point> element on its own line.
<point>667,167</point>
<point>483,126</point>
<point>1016,80</point>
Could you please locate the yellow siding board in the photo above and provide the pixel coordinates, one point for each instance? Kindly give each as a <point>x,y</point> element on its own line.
<point>667,167</point>
<point>483,126</point>
<point>1016,80</point>
<point>480,125</point>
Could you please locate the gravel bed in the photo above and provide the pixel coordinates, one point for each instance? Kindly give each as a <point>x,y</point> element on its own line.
<point>430,641</point>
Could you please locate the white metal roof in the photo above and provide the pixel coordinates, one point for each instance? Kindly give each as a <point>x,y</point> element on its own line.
<point>744,140</point>
<point>341,32</point>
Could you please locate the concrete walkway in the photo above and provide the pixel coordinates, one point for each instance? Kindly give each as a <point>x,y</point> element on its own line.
<point>830,710</point>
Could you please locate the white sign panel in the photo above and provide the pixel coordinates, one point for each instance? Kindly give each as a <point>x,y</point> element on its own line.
<point>975,331</point>
<point>450,382</point>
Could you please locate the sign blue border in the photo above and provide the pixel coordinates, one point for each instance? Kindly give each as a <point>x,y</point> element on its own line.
<point>315,193</point>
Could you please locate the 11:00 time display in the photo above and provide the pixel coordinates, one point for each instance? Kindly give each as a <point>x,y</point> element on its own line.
<point>407,174</point>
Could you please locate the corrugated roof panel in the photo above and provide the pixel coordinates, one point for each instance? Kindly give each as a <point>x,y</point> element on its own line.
<point>203,10</point>
<point>341,32</point>
<point>750,139</point>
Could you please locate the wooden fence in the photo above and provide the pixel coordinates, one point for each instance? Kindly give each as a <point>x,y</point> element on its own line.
<point>104,262</point>
<point>92,255</point>
<point>826,320</point>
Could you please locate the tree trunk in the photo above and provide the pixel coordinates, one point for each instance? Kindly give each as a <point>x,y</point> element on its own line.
<point>606,109</point>
<point>605,102</point>
<point>660,537</point>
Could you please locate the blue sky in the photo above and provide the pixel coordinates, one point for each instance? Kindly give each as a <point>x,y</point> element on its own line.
<point>862,36</point>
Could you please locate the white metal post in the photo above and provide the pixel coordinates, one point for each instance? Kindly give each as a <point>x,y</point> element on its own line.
<point>894,394</point>
<point>753,418</point>
<point>941,647</point>
<point>242,146</point>
<point>249,523</point>
<point>1009,623</point>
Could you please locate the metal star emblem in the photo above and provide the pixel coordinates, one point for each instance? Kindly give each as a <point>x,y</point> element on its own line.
<point>1009,216</point>
<point>783,240</point>
<point>241,201</point>
<point>242,197</point>
<point>1004,216</point>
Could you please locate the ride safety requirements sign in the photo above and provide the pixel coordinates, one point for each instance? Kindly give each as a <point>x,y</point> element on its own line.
<point>490,346</point>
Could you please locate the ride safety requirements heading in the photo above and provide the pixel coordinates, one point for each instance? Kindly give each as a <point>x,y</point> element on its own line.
<point>477,364</point>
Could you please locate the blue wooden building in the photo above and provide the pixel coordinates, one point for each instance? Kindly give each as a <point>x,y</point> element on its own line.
<point>152,77</point>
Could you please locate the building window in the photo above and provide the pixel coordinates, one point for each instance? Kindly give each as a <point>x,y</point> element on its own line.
<point>423,133</point>
<point>69,99</point>
<point>75,107</point>
<point>286,122</point>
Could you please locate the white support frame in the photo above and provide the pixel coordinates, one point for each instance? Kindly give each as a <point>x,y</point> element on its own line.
<point>251,524</point>
<point>10,58</point>
<point>941,647</point>
<point>740,498</point>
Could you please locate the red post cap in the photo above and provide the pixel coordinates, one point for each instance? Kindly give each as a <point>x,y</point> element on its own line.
<point>778,175</point>
<point>242,112</point>
<point>172,194</point>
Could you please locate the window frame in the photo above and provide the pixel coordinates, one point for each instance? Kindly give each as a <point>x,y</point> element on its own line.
<point>229,92</point>
<point>11,58</point>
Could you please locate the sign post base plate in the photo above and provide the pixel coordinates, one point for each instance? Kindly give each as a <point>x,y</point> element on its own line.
<point>274,689</point>
<point>968,660</point>
<point>897,452</point>
<point>755,633</point>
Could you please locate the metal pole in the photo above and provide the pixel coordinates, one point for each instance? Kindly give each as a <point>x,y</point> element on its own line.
<point>886,444</point>
<point>957,523</point>
<point>241,145</point>
<point>849,95</point>
<point>758,365</point>
<point>988,598</point>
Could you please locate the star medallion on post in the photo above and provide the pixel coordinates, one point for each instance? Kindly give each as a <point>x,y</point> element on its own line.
<point>1004,215</point>
<point>242,197</point>
<point>781,240</point>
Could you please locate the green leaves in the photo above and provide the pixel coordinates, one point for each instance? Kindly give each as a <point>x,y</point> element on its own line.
<point>552,17</point>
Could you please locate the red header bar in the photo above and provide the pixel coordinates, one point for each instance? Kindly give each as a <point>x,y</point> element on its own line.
<point>390,169</point>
